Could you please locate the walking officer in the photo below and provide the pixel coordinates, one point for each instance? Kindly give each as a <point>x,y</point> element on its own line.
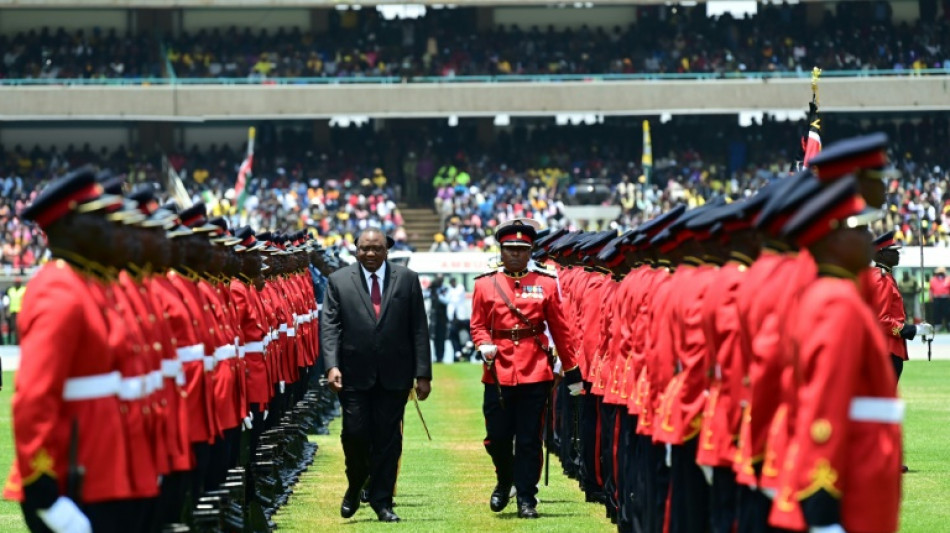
<point>510,308</point>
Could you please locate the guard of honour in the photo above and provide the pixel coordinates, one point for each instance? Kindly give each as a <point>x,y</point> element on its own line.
<point>166,361</point>
<point>728,367</point>
<point>739,361</point>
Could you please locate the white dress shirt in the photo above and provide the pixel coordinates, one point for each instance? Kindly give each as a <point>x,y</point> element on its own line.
<point>381,274</point>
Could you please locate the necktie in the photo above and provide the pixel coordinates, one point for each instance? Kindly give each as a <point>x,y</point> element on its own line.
<point>374,294</point>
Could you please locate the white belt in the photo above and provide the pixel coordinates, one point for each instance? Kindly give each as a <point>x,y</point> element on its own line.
<point>298,319</point>
<point>191,353</point>
<point>223,353</point>
<point>282,328</point>
<point>319,307</point>
<point>253,347</point>
<point>171,368</point>
<point>153,381</point>
<point>92,387</point>
<point>132,388</point>
<point>305,318</point>
<point>291,332</point>
<point>209,362</point>
<point>870,409</point>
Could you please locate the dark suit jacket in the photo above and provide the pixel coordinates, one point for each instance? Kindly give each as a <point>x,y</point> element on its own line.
<point>393,350</point>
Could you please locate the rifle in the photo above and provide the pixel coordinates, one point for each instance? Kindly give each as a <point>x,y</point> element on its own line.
<point>76,472</point>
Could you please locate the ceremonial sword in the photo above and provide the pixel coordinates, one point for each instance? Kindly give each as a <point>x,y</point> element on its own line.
<point>920,277</point>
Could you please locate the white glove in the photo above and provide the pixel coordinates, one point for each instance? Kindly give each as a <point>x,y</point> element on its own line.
<point>576,388</point>
<point>488,351</point>
<point>833,528</point>
<point>266,412</point>
<point>248,423</point>
<point>707,473</point>
<point>769,493</point>
<point>282,385</point>
<point>669,456</point>
<point>925,330</point>
<point>65,517</point>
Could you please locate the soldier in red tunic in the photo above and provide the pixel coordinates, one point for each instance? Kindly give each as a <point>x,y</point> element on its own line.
<point>510,308</point>
<point>66,411</point>
<point>889,305</point>
<point>842,468</point>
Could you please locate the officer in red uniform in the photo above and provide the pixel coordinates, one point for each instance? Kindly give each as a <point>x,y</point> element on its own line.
<point>889,305</point>
<point>70,471</point>
<point>510,308</point>
<point>843,466</point>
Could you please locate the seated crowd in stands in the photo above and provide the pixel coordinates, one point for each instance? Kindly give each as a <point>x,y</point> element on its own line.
<point>531,169</point>
<point>664,39</point>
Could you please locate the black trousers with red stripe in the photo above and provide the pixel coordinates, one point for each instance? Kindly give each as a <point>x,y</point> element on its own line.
<point>513,437</point>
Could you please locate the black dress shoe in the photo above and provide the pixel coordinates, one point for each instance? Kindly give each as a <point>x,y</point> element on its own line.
<point>526,510</point>
<point>387,515</point>
<point>351,502</point>
<point>500,497</point>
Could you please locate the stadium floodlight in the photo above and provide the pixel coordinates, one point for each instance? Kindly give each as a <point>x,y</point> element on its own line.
<point>453,121</point>
<point>502,120</point>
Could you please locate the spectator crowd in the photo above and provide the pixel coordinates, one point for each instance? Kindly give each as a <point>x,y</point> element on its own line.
<point>533,168</point>
<point>449,42</point>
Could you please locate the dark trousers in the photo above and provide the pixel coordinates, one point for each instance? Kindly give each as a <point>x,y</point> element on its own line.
<point>689,502</point>
<point>106,517</point>
<point>724,500</point>
<point>626,480</point>
<point>14,332</point>
<point>589,427</point>
<point>568,429</point>
<point>439,330</point>
<point>608,421</point>
<point>513,437</point>
<point>941,313</point>
<point>654,479</point>
<point>898,366</point>
<point>372,440</point>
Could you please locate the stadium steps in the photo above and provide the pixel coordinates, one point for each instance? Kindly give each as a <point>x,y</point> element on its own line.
<point>421,224</point>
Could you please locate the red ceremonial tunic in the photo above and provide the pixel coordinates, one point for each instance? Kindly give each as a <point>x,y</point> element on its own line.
<point>247,302</point>
<point>679,417</point>
<point>185,309</point>
<point>179,442</point>
<point>888,306</point>
<point>846,419</point>
<point>64,335</point>
<point>520,361</point>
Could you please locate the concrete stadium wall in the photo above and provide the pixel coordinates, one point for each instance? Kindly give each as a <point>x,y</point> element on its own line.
<point>568,17</point>
<point>62,135</point>
<point>257,19</point>
<point>17,20</point>
<point>236,102</point>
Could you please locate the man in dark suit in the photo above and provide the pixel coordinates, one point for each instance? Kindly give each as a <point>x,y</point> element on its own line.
<point>375,338</point>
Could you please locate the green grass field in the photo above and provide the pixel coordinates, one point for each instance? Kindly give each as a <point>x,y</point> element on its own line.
<point>444,484</point>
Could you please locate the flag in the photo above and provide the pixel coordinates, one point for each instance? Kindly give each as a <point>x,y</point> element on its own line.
<point>244,172</point>
<point>647,161</point>
<point>811,142</point>
<point>174,186</point>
